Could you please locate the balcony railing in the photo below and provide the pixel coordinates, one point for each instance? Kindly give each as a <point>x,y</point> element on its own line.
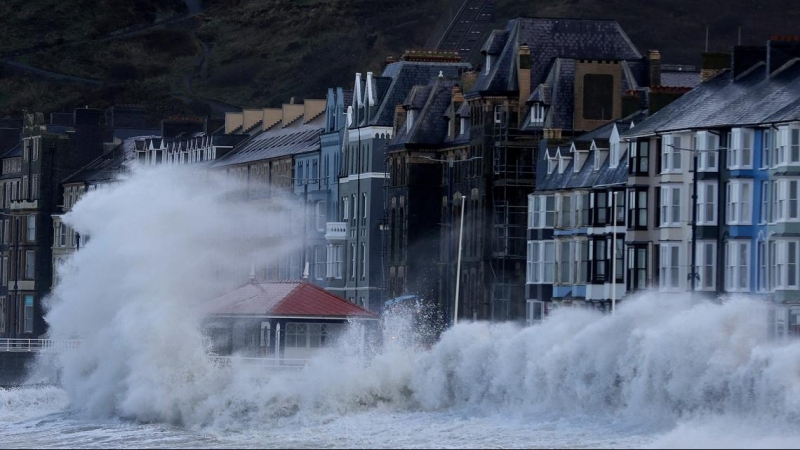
<point>336,231</point>
<point>270,364</point>
<point>36,345</point>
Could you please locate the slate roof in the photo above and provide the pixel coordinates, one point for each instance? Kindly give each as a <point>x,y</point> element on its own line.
<point>680,78</point>
<point>400,77</point>
<point>275,143</point>
<point>106,167</point>
<point>15,151</point>
<point>125,133</point>
<point>286,298</point>
<point>721,102</point>
<point>556,38</point>
<point>587,177</point>
<point>430,125</point>
<point>494,45</point>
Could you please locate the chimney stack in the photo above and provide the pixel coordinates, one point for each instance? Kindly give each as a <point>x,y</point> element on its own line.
<point>524,75</point>
<point>714,63</point>
<point>654,67</point>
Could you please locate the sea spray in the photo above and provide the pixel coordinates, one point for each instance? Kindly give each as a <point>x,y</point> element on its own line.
<point>159,238</point>
<point>160,242</point>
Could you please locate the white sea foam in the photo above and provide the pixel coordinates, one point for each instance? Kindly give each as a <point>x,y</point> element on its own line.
<point>23,403</point>
<point>156,240</point>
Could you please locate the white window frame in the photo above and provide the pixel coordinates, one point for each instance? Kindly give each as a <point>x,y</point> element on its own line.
<point>708,148</point>
<point>564,210</point>
<point>740,151</point>
<point>565,266</point>
<point>671,155</point>
<point>739,208</point>
<point>539,216</point>
<point>320,262</point>
<point>321,215</point>
<point>707,197</point>
<point>353,266</point>
<point>788,146</point>
<point>671,196</point>
<point>540,268</point>
<point>783,200</point>
<point>537,113</point>
<point>706,266</point>
<point>781,264</point>
<point>737,265</point>
<point>532,307</point>
<point>764,213</point>
<point>670,279</point>
<point>762,271</point>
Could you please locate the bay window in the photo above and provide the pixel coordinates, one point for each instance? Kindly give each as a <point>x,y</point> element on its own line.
<point>740,153</point>
<point>565,210</point>
<point>706,266</point>
<point>637,209</point>
<point>581,261</point>
<point>762,282</point>
<point>671,154</point>
<point>543,211</point>
<point>600,206</point>
<point>784,260</point>
<point>581,204</point>
<point>565,254</point>
<point>670,256</point>
<point>786,200</point>
<point>708,146</point>
<point>541,262</point>
<point>740,197</point>
<point>637,268</point>
<point>639,161</point>
<point>737,264</point>
<point>788,146</point>
<point>707,203</point>
<point>671,206</point>
<point>598,250</point>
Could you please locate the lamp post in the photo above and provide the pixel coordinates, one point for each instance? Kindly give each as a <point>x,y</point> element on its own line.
<point>451,164</point>
<point>614,253</point>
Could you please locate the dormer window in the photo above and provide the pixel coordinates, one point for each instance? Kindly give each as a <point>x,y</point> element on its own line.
<point>615,147</point>
<point>450,128</point>
<point>409,119</point>
<point>552,163</point>
<point>537,113</point>
<point>488,63</point>
<point>597,160</point>
<point>563,162</point>
<point>463,126</point>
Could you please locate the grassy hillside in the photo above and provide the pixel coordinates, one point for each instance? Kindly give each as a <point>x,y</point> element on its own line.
<point>254,53</point>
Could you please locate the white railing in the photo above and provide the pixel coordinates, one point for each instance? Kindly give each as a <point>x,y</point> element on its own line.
<point>271,364</point>
<point>335,231</point>
<point>37,345</point>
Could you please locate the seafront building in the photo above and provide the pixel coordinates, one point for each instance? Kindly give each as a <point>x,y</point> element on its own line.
<point>727,147</point>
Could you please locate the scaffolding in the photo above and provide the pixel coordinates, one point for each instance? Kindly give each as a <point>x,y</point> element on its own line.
<point>514,174</point>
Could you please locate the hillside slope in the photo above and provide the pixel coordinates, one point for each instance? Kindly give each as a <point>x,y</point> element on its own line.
<point>254,53</point>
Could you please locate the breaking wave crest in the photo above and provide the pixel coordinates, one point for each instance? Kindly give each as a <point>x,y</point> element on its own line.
<point>157,239</point>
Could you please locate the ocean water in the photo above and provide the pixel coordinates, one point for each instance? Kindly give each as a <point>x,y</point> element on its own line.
<point>660,372</point>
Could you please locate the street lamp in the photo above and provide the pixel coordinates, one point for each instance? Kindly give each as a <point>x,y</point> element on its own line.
<point>461,231</point>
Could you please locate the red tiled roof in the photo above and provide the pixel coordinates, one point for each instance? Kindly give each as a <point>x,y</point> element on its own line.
<point>295,298</point>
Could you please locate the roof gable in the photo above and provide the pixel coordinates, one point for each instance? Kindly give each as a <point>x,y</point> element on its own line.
<point>285,298</point>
